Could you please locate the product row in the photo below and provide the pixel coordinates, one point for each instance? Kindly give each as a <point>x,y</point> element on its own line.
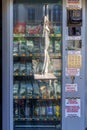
<point>36,30</point>
<point>36,67</point>
<point>44,89</point>
<point>26,47</point>
<point>28,110</point>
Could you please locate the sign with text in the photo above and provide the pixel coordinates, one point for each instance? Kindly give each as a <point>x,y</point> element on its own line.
<point>71,88</point>
<point>72,72</point>
<point>72,107</point>
<point>73,3</point>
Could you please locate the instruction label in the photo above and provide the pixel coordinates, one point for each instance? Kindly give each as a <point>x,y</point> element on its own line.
<point>72,107</point>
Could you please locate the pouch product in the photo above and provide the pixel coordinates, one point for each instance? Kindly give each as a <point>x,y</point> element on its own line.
<point>29,68</point>
<point>36,92</point>
<point>57,46</point>
<point>23,69</point>
<point>16,88</point>
<point>15,48</point>
<point>22,48</point>
<point>29,89</point>
<point>16,68</point>
<point>36,110</point>
<point>20,28</point>
<point>57,30</point>
<point>27,109</point>
<point>43,110</point>
<point>49,110</point>
<point>56,111</point>
<point>22,89</point>
<point>29,47</point>
<point>43,90</point>
<point>35,66</point>
<point>16,108</point>
<point>22,106</point>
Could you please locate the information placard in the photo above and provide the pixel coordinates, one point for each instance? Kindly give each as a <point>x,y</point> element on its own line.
<point>73,3</point>
<point>72,107</point>
<point>72,72</point>
<point>71,88</point>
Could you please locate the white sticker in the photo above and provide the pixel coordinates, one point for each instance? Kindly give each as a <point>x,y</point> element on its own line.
<point>72,72</point>
<point>73,3</point>
<point>72,107</point>
<point>71,88</point>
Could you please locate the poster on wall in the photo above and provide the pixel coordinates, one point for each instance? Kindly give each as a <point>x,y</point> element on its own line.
<point>72,107</point>
<point>73,3</point>
<point>71,88</point>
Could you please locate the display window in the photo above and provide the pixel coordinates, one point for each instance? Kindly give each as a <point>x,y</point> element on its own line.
<point>37,63</point>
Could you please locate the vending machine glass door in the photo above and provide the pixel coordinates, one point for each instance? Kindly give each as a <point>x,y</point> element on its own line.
<point>37,63</point>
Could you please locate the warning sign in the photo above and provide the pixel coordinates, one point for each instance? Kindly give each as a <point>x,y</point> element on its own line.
<point>72,107</point>
<point>73,3</point>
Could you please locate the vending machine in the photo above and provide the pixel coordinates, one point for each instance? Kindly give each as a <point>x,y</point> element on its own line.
<point>44,64</point>
<point>37,62</point>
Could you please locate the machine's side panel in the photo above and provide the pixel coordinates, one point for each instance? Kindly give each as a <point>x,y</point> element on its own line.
<point>73,82</point>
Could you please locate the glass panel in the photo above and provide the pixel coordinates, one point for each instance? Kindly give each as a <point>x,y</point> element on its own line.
<point>37,62</point>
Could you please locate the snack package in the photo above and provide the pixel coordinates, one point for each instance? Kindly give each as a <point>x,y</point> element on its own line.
<point>27,109</point>
<point>43,111</point>
<point>43,90</point>
<point>22,106</point>
<point>36,46</point>
<point>29,89</point>
<point>35,66</point>
<point>36,110</point>
<point>20,28</point>
<point>57,46</point>
<point>23,69</point>
<point>29,47</point>
<point>16,89</point>
<point>51,90</point>
<point>49,110</point>
<point>57,30</point>
<point>22,48</point>
<point>36,92</point>
<point>33,30</point>
<point>16,68</point>
<point>15,48</point>
<point>22,91</point>
<point>16,108</point>
<point>56,111</point>
<point>57,86</point>
<point>29,69</point>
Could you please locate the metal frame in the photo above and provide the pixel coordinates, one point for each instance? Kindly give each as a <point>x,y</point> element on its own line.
<point>7,24</point>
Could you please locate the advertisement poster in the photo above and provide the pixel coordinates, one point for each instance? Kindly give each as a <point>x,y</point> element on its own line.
<point>73,3</point>
<point>74,59</point>
<point>71,88</point>
<point>72,72</point>
<point>72,107</point>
